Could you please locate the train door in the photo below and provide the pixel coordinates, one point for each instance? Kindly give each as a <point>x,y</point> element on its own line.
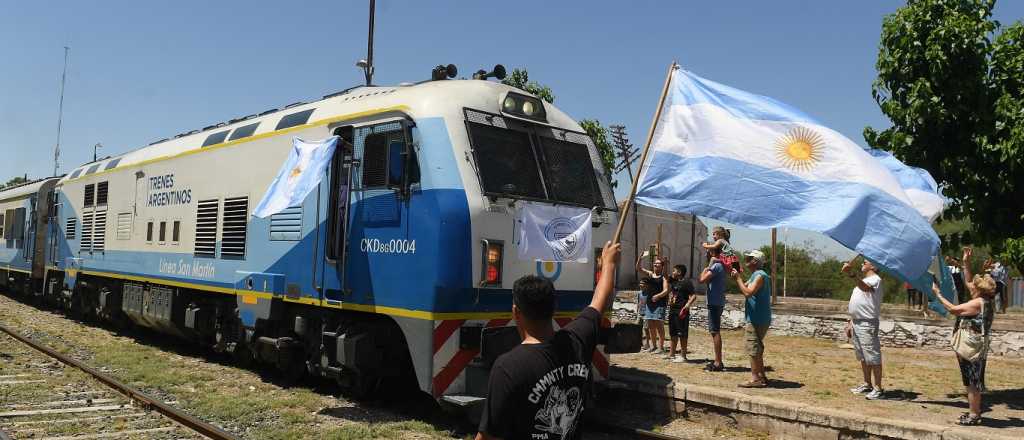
<point>30,231</point>
<point>338,206</point>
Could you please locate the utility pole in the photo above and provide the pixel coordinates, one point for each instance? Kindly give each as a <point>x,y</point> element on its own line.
<point>367,64</point>
<point>60,112</point>
<point>627,154</point>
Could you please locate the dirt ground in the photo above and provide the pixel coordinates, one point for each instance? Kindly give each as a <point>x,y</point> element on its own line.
<point>921,385</point>
<point>254,405</point>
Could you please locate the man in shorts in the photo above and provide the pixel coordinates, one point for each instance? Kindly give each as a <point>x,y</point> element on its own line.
<point>862,328</point>
<point>714,277</point>
<point>758,313</point>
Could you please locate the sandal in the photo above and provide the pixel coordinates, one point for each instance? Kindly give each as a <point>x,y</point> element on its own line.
<point>967,419</point>
<point>753,384</point>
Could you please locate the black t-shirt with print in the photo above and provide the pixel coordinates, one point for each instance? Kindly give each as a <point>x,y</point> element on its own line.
<point>681,289</point>
<point>537,391</point>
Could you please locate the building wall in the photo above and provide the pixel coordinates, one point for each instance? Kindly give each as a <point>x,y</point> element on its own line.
<point>680,234</point>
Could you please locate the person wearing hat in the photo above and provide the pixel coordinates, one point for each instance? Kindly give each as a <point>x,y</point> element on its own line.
<point>758,313</point>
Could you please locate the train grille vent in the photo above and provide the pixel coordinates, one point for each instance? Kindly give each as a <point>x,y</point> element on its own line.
<point>85,245</point>
<point>90,194</point>
<point>233,227</point>
<point>101,194</point>
<point>99,230</point>
<point>71,228</point>
<point>287,224</point>
<point>124,226</point>
<point>206,228</point>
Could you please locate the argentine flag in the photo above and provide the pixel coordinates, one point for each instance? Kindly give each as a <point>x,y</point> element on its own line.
<point>300,173</point>
<point>753,161</point>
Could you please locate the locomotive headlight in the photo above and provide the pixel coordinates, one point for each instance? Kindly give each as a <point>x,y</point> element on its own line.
<point>509,105</point>
<point>528,108</point>
<point>523,106</point>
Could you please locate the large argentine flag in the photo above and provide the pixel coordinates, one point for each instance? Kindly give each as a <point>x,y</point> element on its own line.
<point>299,174</point>
<point>753,161</point>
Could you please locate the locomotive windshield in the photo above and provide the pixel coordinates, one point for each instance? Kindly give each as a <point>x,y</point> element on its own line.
<point>533,164</point>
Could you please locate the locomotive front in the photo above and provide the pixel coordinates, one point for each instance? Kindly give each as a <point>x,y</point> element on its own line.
<point>515,149</point>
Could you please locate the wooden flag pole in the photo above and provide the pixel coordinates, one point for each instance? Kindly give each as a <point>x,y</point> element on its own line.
<point>643,157</point>
<point>774,265</point>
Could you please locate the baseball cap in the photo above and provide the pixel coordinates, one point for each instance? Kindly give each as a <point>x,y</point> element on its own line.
<point>756,254</point>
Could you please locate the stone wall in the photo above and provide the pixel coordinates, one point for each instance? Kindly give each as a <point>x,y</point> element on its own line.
<point>922,333</point>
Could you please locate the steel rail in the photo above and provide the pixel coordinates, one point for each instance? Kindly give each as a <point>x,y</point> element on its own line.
<point>148,401</point>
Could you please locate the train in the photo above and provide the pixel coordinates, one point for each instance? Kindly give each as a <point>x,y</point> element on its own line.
<point>398,265</point>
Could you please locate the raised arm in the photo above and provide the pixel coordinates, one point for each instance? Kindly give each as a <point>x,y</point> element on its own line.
<point>640,268</point>
<point>747,289</point>
<point>965,268</point>
<point>606,284</point>
<point>969,308</point>
<point>864,287</point>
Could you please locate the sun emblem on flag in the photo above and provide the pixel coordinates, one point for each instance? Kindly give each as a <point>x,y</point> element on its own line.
<point>295,172</point>
<point>800,149</point>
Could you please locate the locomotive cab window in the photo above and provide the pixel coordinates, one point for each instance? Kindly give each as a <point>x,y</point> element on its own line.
<point>524,160</point>
<point>388,157</point>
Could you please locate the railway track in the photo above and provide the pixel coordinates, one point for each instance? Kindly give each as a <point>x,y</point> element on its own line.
<point>45,394</point>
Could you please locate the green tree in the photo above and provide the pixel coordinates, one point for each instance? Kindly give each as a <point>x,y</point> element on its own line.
<point>15,181</point>
<point>599,134</point>
<point>520,78</point>
<point>951,81</point>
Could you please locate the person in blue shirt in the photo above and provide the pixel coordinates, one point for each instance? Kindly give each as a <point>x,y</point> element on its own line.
<point>714,277</point>
<point>758,313</point>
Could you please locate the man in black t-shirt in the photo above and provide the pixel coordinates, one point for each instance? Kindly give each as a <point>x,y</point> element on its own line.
<point>537,390</point>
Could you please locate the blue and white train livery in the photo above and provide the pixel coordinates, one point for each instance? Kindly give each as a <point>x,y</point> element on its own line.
<point>400,263</point>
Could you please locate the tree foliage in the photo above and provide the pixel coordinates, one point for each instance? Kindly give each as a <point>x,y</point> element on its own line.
<point>599,134</point>
<point>520,79</point>
<point>951,81</point>
<point>14,182</point>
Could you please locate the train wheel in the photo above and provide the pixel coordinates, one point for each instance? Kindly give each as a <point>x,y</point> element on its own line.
<point>359,386</point>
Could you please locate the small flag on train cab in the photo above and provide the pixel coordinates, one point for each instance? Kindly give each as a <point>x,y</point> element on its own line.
<point>553,233</point>
<point>753,161</point>
<point>299,175</point>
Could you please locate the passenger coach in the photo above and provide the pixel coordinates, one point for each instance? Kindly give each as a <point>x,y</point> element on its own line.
<point>400,264</point>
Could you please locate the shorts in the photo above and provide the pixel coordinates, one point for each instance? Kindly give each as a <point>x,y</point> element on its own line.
<point>715,318</point>
<point>973,373</point>
<point>678,327</point>
<point>654,314</point>
<point>866,345</point>
<point>755,339</point>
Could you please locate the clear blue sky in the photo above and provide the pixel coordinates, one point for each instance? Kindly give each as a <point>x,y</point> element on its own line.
<point>142,71</point>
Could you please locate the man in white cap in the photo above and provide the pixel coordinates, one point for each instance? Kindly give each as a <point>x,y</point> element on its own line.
<point>758,314</point>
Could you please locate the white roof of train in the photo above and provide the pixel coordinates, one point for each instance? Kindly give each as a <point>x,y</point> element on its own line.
<point>420,99</point>
<point>24,189</point>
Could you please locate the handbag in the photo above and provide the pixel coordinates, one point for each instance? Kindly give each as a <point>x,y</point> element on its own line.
<point>969,345</point>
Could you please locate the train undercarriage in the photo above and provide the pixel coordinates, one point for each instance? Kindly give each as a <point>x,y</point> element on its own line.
<point>361,351</point>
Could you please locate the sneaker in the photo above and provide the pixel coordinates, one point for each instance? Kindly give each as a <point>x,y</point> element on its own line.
<point>652,349</point>
<point>658,351</point>
<point>875,394</point>
<point>678,359</point>
<point>862,389</point>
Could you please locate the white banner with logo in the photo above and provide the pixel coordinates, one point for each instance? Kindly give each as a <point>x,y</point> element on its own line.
<point>553,233</point>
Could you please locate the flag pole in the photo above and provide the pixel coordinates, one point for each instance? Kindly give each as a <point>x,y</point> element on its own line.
<point>643,157</point>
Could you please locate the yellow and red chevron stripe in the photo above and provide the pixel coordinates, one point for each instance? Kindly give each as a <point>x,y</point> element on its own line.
<point>450,360</point>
